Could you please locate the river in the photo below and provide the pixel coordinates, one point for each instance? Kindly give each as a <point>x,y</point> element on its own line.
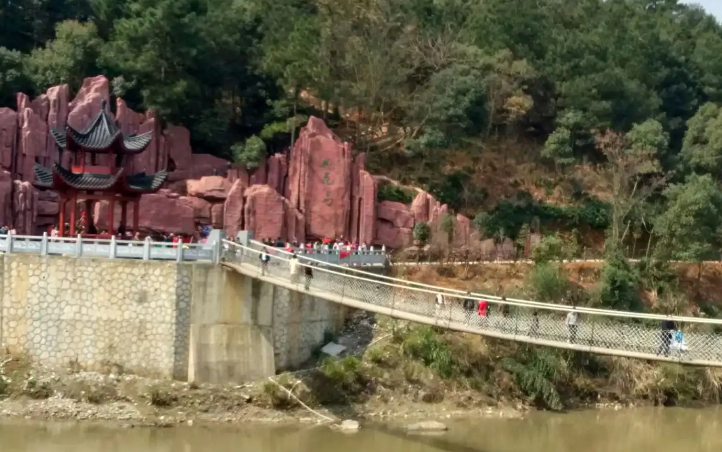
<point>634,430</point>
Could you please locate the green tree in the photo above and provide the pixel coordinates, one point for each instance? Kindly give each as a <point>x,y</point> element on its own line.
<point>69,58</point>
<point>251,154</point>
<point>422,232</point>
<point>691,226</point>
<point>12,76</point>
<point>702,149</point>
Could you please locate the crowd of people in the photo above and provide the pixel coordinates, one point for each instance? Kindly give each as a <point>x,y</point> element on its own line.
<point>325,246</point>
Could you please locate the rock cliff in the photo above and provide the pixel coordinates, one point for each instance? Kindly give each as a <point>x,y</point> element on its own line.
<point>318,190</point>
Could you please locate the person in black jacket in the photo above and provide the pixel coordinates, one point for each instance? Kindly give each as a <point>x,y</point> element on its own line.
<point>668,328</point>
<point>469,306</point>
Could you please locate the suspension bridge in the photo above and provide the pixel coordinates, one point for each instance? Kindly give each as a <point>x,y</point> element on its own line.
<point>598,331</point>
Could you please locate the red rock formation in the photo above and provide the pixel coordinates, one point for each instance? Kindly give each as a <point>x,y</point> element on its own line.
<point>264,212</point>
<point>208,165</point>
<point>367,208</point>
<point>128,120</point>
<point>259,176</point>
<point>420,207</point>
<point>33,144</point>
<point>319,180</point>
<point>462,231</point>
<point>201,208</point>
<point>217,216</point>
<point>41,106</point>
<point>6,193</point>
<point>25,199</point>
<point>209,187</point>
<point>8,137</point>
<point>58,97</point>
<point>86,104</point>
<point>391,236</point>
<point>277,170</point>
<point>295,226</point>
<point>154,158</point>
<point>233,208</point>
<point>395,213</point>
<point>178,149</point>
<point>162,212</point>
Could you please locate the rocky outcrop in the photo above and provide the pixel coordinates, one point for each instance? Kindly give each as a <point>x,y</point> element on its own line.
<point>6,198</point>
<point>86,104</point>
<point>212,188</point>
<point>264,212</point>
<point>58,97</point>
<point>233,208</point>
<point>319,180</point>
<point>318,190</point>
<point>8,137</point>
<point>25,200</point>
<point>162,212</point>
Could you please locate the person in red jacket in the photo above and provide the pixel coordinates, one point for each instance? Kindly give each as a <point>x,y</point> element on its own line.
<point>484,312</point>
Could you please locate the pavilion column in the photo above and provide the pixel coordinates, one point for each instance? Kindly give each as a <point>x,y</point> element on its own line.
<point>88,215</point>
<point>111,214</point>
<point>124,215</point>
<point>73,212</point>
<point>136,215</point>
<point>61,226</point>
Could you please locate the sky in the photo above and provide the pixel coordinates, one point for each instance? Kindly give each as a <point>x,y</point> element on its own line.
<point>712,6</point>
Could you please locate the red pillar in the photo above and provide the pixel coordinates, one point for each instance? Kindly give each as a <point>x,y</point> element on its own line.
<point>73,213</point>
<point>124,215</point>
<point>61,226</point>
<point>136,215</point>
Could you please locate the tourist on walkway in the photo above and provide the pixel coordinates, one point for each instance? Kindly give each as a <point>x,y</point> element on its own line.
<point>483,310</point>
<point>308,273</point>
<point>572,322</point>
<point>293,268</point>
<point>668,328</point>
<point>468,307</point>
<point>265,257</point>
<point>439,304</point>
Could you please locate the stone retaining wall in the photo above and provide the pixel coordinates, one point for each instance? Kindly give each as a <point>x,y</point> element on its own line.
<point>162,319</point>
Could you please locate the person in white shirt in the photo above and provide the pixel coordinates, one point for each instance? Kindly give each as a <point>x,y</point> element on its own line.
<point>572,322</point>
<point>439,304</point>
<point>293,268</point>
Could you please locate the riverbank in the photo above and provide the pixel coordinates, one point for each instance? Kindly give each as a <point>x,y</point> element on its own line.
<point>394,371</point>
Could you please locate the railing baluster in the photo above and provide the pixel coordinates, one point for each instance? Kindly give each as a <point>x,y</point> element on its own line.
<point>79,246</point>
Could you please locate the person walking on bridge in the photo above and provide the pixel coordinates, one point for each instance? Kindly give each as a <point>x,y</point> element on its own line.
<point>572,322</point>
<point>293,268</point>
<point>439,305</point>
<point>308,274</point>
<point>264,257</point>
<point>668,327</point>
<point>468,307</point>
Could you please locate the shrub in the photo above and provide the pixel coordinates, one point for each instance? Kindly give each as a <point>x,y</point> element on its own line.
<point>537,373</point>
<point>447,225</point>
<point>422,231</point>
<point>278,397</point>
<point>251,153</point>
<point>549,249</point>
<point>160,397</point>
<point>426,345</point>
<point>344,372</point>
<point>548,282</point>
<point>390,192</point>
<point>618,285</point>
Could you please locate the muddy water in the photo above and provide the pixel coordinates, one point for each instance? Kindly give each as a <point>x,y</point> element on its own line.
<point>665,430</point>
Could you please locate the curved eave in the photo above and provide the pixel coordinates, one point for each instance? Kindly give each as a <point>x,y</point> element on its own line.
<point>64,180</point>
<point>142,184</point>
<point>117,144</point>
<point>43,177</point>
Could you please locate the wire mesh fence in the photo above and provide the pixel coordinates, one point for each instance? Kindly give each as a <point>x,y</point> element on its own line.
<point>688,340</point>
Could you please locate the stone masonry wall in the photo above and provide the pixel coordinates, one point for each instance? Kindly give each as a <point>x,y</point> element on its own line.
<point>300,324</point>
<point>97,314</point>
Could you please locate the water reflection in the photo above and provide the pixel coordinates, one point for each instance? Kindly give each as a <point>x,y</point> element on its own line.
<point>664,430</point>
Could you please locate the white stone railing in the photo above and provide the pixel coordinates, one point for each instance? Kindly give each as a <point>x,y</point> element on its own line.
<point>109,248</point>
<point>607,332</point>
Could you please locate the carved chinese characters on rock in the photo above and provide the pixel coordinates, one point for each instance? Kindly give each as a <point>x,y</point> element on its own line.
<point>327,181</point>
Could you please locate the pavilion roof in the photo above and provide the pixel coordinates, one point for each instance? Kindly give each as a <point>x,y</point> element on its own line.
<point>102,136</point>
<point>62,179</point>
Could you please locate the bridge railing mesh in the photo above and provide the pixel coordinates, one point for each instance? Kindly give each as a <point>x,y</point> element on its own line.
<point>622,334</point>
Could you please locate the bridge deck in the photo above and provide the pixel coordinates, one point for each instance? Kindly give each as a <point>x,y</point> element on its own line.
<point>625,334</point>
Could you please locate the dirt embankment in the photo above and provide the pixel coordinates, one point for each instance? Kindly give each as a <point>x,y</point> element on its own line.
<point>395,370</point>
